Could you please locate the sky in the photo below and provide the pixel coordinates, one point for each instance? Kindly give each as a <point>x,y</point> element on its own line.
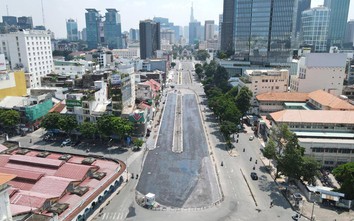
<point>131,11</point>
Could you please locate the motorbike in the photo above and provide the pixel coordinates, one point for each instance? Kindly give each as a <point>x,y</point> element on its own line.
<point>222,163</point>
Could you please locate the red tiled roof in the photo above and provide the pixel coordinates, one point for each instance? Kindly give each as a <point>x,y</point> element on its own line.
<point>51,185</point>
<point>31,199</point>
<point>3,160</point>
<point>143,106</point>
<point>57,108</point>
<point>35,161</point>
<point>5,178</point>
<point>18,209</point>
<point>46,171</point>
<point>155,86</point>
<point>2,148</point>
<point>22,185</point>
<point>31,175</point>
<point>73,171</point>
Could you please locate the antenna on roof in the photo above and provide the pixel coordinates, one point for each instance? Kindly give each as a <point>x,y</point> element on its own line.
<point>43,13</point>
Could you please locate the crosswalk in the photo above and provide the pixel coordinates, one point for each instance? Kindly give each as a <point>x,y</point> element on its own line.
<point>113,216</point>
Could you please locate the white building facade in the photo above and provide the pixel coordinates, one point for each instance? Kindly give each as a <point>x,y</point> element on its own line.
<point>31,50</point>
<point>320,71</point>
<point>315,24</point>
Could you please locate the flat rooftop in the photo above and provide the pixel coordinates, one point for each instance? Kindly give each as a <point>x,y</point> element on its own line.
<point>324,135</point>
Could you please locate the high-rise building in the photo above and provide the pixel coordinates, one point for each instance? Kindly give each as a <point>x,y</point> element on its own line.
<point>30,50</point>
<point>112,29</point>
<point>83,34</point>
<point>194,32</point>
<point>93,21</point>
<point>260,31</point>
<point>209,29</point>
<point>134,34</point>
<point>315,23</point>
<point>338,21</point>
<point>219,28</point>
<point>349,37</point>
<point>303,5</point>
<point>168,35</point>
<point>72,30</point>
<point>150,39</point>
<point>25,22</point>
<point>9,20</point>
<point>227,26</point>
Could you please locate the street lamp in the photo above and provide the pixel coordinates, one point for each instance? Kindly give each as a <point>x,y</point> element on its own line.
<point>313,208</point>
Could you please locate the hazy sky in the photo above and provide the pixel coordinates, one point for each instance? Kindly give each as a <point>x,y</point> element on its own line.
<point>178,11</point>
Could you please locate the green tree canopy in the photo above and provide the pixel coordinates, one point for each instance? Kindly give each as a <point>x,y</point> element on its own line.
<point>122,127</point>
<point>173,64</point>
<point>243,100</point>
<point>202,55</point>
<point>51,121</point>
<point>105,125</point>
<point>138,143</point>
<point>67,123</point>
<point>291,161</point>
<point>270,150</point>
<point>345,175</point>
<point>9,118</point>
<point>88,129</point>
<point>309,168</point>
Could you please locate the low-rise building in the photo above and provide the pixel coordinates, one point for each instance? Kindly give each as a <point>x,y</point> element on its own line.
<point>262,81</point>
<point>74,69</point>
<point>322,100</point>
<point>129,53</point>
<point>326,135</point>
<point>44,185</point>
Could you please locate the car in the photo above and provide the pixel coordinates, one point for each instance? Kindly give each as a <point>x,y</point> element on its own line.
<point>254,176</point>
<point>66,142</point>
<point>251,138</point>
<point>74,144</point>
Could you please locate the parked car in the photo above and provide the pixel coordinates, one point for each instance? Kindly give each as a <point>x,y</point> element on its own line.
<point>66,142</point>
<point>254,176</point>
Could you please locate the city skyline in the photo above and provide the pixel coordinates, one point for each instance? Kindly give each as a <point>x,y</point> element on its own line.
<point>56,21</point>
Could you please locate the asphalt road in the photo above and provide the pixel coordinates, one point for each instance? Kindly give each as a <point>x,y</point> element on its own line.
<point>240,193</point>
<point>182,179</point>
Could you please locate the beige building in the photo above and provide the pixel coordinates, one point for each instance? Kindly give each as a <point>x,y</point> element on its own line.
<point>320,71</point>
<point>326,135</point>
<point>263,81</point>
<point>322,100</point>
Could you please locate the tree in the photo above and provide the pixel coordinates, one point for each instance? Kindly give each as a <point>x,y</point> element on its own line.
<point>51,121</point>
<point>105,125</point>
<point>138,143</point>
<point>270,150</point>
<point>309,169</point>
<point>290,163</point>
<point>202,55</point>
<point>9,118</point>
<point>243,100</point>
<point>173,64</point>
<point>67,123</point>
<point>345,175</point>
<point>233,92</point>
<point>281,135</point>
<point>199,71</point>
<point>88,129</point>
<point>221,78</point>
<point>122,127</point>
<point>227,128</point>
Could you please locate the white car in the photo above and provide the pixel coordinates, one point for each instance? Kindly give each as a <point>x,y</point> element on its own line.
<point>251,138</point>
<point>66,142</point>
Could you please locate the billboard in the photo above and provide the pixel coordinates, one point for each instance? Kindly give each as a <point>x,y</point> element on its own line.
<point>2,62</point>
<point>73,103</point>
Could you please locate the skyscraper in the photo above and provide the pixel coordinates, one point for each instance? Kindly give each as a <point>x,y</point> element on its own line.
<point>194,32</point>
<point>93,20</point>
<point>303,5</point>
<point>9,20</point>
<point>25,22</point>
<point>349,37</point>
<point>209,29</point>
<point>260,31</point>
<point>338,21</point>
<point>71,30</point>
<point>149,38</point>
<point>227,26</point>
<point>112,29</point>
<point>315,23</point>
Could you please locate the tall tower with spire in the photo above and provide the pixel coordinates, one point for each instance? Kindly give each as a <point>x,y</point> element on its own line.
<point>192,16</point>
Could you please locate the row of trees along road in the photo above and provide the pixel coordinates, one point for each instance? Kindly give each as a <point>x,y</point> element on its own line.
<point>228,103</point>
<point>106,126</point>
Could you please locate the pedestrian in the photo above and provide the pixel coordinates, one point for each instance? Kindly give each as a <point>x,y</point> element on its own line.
<point>271,204</point>
<point>31,140</point>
